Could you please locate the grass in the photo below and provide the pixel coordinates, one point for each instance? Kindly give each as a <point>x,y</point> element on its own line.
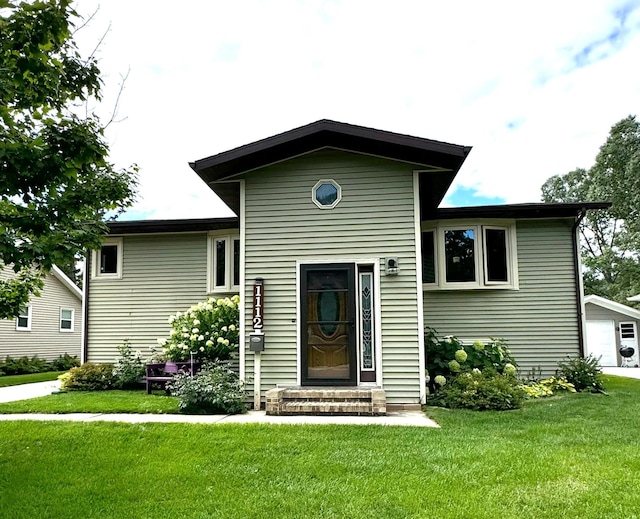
<point>16,380</point>
<point>564,457</point>
<point>114,401</point>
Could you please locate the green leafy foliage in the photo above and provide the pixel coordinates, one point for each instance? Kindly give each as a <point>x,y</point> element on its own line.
<point>209,330</point>
<point>64,362</point>
<point>481,391</point>
<point>583,372</point>
<point>89,377</point>
<point>610,238</point>
<point>547,387</point>
<point>56,184</point>
<point>25,365</point>
<point>448,356</point>
<point>129,369</point>
<point>215,389</point>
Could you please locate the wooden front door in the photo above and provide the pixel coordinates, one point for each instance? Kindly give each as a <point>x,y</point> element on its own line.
<point>328,340</point>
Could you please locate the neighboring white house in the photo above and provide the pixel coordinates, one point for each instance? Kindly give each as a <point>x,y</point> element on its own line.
<point>610,326</point>
<point>50,325</point>
<point>340,227</point>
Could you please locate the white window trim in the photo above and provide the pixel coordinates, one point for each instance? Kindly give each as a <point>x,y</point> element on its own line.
<point>480,256</point>
<point>29,321</point>
<point>212,264</point>
<point>95,261</point>
<point>320,183</point>
<point>67,330</point>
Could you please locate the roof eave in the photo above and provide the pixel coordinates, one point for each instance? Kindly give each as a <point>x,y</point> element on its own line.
<point>532,211</point>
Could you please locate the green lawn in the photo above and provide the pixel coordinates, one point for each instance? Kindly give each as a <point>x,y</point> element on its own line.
<point>576,456</point>
<point>16,380</point>
<point>114,401</point>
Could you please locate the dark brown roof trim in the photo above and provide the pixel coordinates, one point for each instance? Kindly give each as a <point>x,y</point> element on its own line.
<point>326,133</point>
<point>169,226</point>
<point>552,210</point>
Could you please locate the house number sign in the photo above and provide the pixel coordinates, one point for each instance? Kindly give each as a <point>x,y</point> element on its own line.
<point>258,305</point>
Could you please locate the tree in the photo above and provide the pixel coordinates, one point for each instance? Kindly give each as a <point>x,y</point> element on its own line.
<point>610,238</point>
<point>56,184</point>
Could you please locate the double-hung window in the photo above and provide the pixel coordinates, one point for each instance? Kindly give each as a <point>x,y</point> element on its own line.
<point>23,320</point>
<point>224,263</point>
<point>66,320</point>
<point>469,255</point>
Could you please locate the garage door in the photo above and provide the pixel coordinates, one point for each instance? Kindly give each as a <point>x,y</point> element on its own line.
<point>601,341</point>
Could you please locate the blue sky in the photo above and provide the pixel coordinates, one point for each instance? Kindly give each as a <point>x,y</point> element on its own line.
<point>534,87</point>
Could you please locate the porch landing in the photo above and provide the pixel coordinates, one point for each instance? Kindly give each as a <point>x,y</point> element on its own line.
<point>355,401</point>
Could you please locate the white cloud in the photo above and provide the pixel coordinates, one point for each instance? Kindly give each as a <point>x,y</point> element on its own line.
<point>534,87</point>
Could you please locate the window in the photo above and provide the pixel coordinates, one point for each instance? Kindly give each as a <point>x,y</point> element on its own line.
<point>469,256</point>
<point>326,194</point>
<point>224,263</point>
<point>23,321</point>
<point>107,262</point>
<point>66,320</point>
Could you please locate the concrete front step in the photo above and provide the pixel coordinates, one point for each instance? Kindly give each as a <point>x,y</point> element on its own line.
<point>326,400</point>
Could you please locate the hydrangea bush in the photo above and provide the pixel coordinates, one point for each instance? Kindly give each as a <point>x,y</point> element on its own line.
<point>208,330</point>
<point>448,357</point>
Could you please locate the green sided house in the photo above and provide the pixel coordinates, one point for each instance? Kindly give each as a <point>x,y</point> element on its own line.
<point>341,258</point>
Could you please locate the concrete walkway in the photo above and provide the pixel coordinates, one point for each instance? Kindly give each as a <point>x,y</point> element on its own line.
<point>26,391</point>
<point>622,372</point>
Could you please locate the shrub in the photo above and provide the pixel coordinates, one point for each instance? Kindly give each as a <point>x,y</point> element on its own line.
<point>547,387</point>
<point>481,391</point>
<point>64,362</point>
<point>448,356</point>
<point>24,365</point>
<point>128,369</point>
<point>583,372</point>
<point>88,377</point>
<point>215,389</point>
<point>208,329</point>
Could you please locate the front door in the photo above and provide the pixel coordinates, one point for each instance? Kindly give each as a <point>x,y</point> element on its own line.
<point>328,308</point>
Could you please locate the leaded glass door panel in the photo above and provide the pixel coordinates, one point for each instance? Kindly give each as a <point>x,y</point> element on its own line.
<point>328,324</point>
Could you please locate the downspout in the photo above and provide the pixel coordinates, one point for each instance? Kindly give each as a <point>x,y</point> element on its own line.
<point>578,278</point>
<point>85,307</point>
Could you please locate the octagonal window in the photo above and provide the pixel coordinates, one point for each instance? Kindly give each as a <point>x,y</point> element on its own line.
<point>326,194</point>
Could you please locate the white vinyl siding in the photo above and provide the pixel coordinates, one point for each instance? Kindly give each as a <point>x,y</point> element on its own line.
<point>161,274</point>
<point>44,338</point>
<point>539,321</point>
<point>374,220</point>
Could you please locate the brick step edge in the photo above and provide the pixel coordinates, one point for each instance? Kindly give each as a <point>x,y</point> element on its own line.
<point>329,408</point>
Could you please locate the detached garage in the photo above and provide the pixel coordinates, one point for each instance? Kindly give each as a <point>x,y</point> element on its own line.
<point>611,326</point>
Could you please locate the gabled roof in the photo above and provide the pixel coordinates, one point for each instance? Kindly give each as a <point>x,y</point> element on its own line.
<point>613,306</point>
<point>441,159</point>
<point>64,279</point>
